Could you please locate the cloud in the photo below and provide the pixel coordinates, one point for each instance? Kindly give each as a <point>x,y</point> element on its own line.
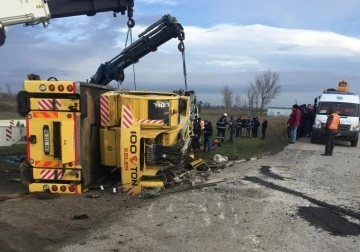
<point>222,54</point>
<point>165,2</point>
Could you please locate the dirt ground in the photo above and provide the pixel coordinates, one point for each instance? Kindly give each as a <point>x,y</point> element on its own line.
<point>34,222</point>
<point>296,200</point>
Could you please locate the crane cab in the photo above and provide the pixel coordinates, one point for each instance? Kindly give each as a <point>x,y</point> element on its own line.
<point>343,86</point>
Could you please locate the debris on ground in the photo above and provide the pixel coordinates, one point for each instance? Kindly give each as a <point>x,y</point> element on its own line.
<point>192,187</point>
<point>10,171</point>
<point>92,196</point>
<point>13,159</point>
<point>81,217</point>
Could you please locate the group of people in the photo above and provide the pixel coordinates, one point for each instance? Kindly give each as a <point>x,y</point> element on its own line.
<point>302,117</point>
<point>240,127</point>
<point>331,126</point>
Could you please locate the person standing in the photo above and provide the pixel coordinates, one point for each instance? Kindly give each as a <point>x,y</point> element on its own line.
<point>264,126</point>
<point>256,127</point>
<point>312,114</point>
<point>294,122</point>
<point>243,127</point>
<point>208,131</point>
<point>197,135</point>
<point>331,126</point>
<point>221,127</point>
<point>232,129</point>
<point>238,126</point>
<point>288,127</point>
<point>249,127</point>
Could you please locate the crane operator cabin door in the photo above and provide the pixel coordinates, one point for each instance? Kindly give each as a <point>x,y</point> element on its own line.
<point>159,110</point>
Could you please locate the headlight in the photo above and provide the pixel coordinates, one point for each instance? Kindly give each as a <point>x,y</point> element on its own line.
<point>317,124</point>
<point>354,126</point>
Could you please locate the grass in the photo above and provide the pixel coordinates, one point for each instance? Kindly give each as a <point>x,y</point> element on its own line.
<point>9,115</point>
<point>8,106</point>
<point>276,138</point>
<point>15,149</point>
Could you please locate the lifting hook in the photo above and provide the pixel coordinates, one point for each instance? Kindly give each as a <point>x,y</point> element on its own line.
<point>131,23</point>
<point>181,46</point>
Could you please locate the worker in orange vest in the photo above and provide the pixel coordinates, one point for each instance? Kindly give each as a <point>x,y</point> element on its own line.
<point>331,127</point>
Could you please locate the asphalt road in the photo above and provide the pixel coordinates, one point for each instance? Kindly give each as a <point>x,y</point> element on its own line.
<point>294,201</point>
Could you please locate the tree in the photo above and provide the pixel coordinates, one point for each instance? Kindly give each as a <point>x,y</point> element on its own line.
<point>8,89</point>
<point>267,87</point>
<point>251,97</point>
<point>237,101</point>
<point>228,97</point>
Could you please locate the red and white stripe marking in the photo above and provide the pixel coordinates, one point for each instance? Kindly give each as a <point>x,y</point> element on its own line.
<point>50,174</point>
<point>150,121</point>
<point>104,110</point>
<point>129,191</point>
<point>126,117</point>
<point>8,131</point>
<point>47,104</point>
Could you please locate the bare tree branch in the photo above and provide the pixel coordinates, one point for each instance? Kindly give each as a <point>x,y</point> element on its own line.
<point>237,100</point>
<point>228,97</point>
<point>8,89</point>
<point>267,87</point>
<point>252,97</point>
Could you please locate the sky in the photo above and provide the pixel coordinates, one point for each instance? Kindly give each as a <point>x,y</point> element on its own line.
<point>311,44</point>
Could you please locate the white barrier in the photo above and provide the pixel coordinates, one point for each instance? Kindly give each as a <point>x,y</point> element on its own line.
<point>11,131</point>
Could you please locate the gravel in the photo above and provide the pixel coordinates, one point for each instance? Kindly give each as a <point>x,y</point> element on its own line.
<point>300,201</point>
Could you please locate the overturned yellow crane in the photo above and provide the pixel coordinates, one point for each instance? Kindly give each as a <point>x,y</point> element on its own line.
<point>77,132</point>
<point>142,132</point>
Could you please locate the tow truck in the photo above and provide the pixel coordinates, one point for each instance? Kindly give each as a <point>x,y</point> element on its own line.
<point>34,12</point>
<point>77,132</point>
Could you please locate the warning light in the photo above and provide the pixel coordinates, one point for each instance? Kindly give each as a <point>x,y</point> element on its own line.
<point>63,188</point>
<point>61,88</point>
<point>42,87</point>
<point>51,87</point>
<point>69,116</point>
<point>71,188</point>
<point>69,88</point>
<point>54,188</point>
<point>70,164</point>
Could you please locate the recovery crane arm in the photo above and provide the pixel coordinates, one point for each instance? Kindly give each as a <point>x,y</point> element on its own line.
<point>33,12</point>
<point>149,40</point>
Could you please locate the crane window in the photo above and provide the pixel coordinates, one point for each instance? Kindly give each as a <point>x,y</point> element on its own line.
<point>159,110</point>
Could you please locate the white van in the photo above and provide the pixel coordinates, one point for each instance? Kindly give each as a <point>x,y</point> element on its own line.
<point>347,105</point>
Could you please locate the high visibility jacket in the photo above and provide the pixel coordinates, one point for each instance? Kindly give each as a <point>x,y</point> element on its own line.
<point>238,123</point>
<point>334,125</point>
<point>221,123</point>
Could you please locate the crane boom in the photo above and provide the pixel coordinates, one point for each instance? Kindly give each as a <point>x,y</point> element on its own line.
<point>33,12</point>
<point>154,36</point>
<point>69,8</point>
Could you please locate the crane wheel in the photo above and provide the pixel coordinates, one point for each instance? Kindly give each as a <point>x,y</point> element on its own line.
<point>25,173</point>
